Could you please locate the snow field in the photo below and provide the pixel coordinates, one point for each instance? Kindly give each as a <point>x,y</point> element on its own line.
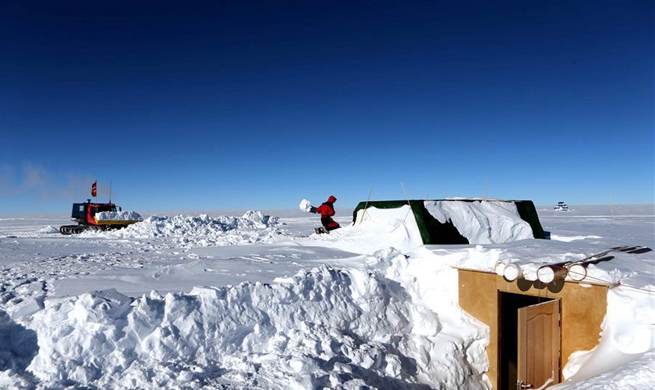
<point>366,306</point>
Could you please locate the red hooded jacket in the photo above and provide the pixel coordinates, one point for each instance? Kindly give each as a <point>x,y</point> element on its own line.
<point>327,209</point>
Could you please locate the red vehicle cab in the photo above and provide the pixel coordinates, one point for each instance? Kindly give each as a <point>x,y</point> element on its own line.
<point>84,213</point>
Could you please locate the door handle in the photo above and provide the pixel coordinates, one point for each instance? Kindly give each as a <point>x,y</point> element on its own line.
<point>521,386</point>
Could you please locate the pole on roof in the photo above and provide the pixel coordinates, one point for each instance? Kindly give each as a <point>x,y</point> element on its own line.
<point>366,205</point>
<point>406,197</point>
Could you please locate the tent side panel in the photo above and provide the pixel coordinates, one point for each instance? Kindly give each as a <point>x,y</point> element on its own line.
<point>434,232</point>
<point>528,213</point>
<point>437,233</point>
<point>380,204</point>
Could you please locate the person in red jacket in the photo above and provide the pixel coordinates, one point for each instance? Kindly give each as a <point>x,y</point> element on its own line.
<point>327,211</point>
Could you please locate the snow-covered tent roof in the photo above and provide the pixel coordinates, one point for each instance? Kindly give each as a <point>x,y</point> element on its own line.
<point>459,221</point>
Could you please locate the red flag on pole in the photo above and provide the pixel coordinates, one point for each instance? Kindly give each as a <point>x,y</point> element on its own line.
<point>94,189</point>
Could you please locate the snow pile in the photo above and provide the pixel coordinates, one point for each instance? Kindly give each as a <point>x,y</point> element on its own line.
<point>628,341</point>
<point>376,229</point>
<point>485,222</point>
<point>305,205</point>
<point>203,230</point>
<point>48,230</point>
<point>118,216</point>
<point>329,328</point>
<point>23,294</point>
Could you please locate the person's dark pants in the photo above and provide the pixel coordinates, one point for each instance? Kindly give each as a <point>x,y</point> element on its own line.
<point>329,223</point>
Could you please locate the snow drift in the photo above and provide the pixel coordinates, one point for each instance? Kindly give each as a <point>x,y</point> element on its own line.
<point>203,230</point>
<point>328,328</point>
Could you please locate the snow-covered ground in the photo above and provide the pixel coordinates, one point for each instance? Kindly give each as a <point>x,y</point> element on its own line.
<point>256,300</point>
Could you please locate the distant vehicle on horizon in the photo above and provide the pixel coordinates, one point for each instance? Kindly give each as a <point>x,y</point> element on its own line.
<point>561,206</point>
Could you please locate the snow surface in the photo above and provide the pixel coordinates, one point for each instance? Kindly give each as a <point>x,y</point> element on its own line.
<point>255,301</point>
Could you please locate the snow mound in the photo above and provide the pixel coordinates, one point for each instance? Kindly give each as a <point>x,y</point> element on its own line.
<point>627,341</point>
<point>557,237</point>
<point>48,230</point>
<point>204,230</point>
<point>380,228</point>
<point>118,216</point>
<point>327,328</point>
<point>23,295</point>
<point>480,222</point>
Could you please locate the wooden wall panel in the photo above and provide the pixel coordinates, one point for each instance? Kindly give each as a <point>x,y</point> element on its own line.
<point>478,297</point>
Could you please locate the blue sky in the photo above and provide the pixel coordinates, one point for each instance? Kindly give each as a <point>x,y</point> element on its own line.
<point>212,105</point>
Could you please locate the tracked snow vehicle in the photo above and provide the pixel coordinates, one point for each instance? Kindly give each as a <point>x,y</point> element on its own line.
<point>98,217</point>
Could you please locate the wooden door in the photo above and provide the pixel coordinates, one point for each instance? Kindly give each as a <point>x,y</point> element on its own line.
<point>538,345</point>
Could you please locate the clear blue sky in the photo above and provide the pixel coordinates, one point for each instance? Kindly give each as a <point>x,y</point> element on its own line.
<point>216,105</point>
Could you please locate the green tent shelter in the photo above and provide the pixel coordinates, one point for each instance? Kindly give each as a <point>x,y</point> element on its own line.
<point>451,229</point>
